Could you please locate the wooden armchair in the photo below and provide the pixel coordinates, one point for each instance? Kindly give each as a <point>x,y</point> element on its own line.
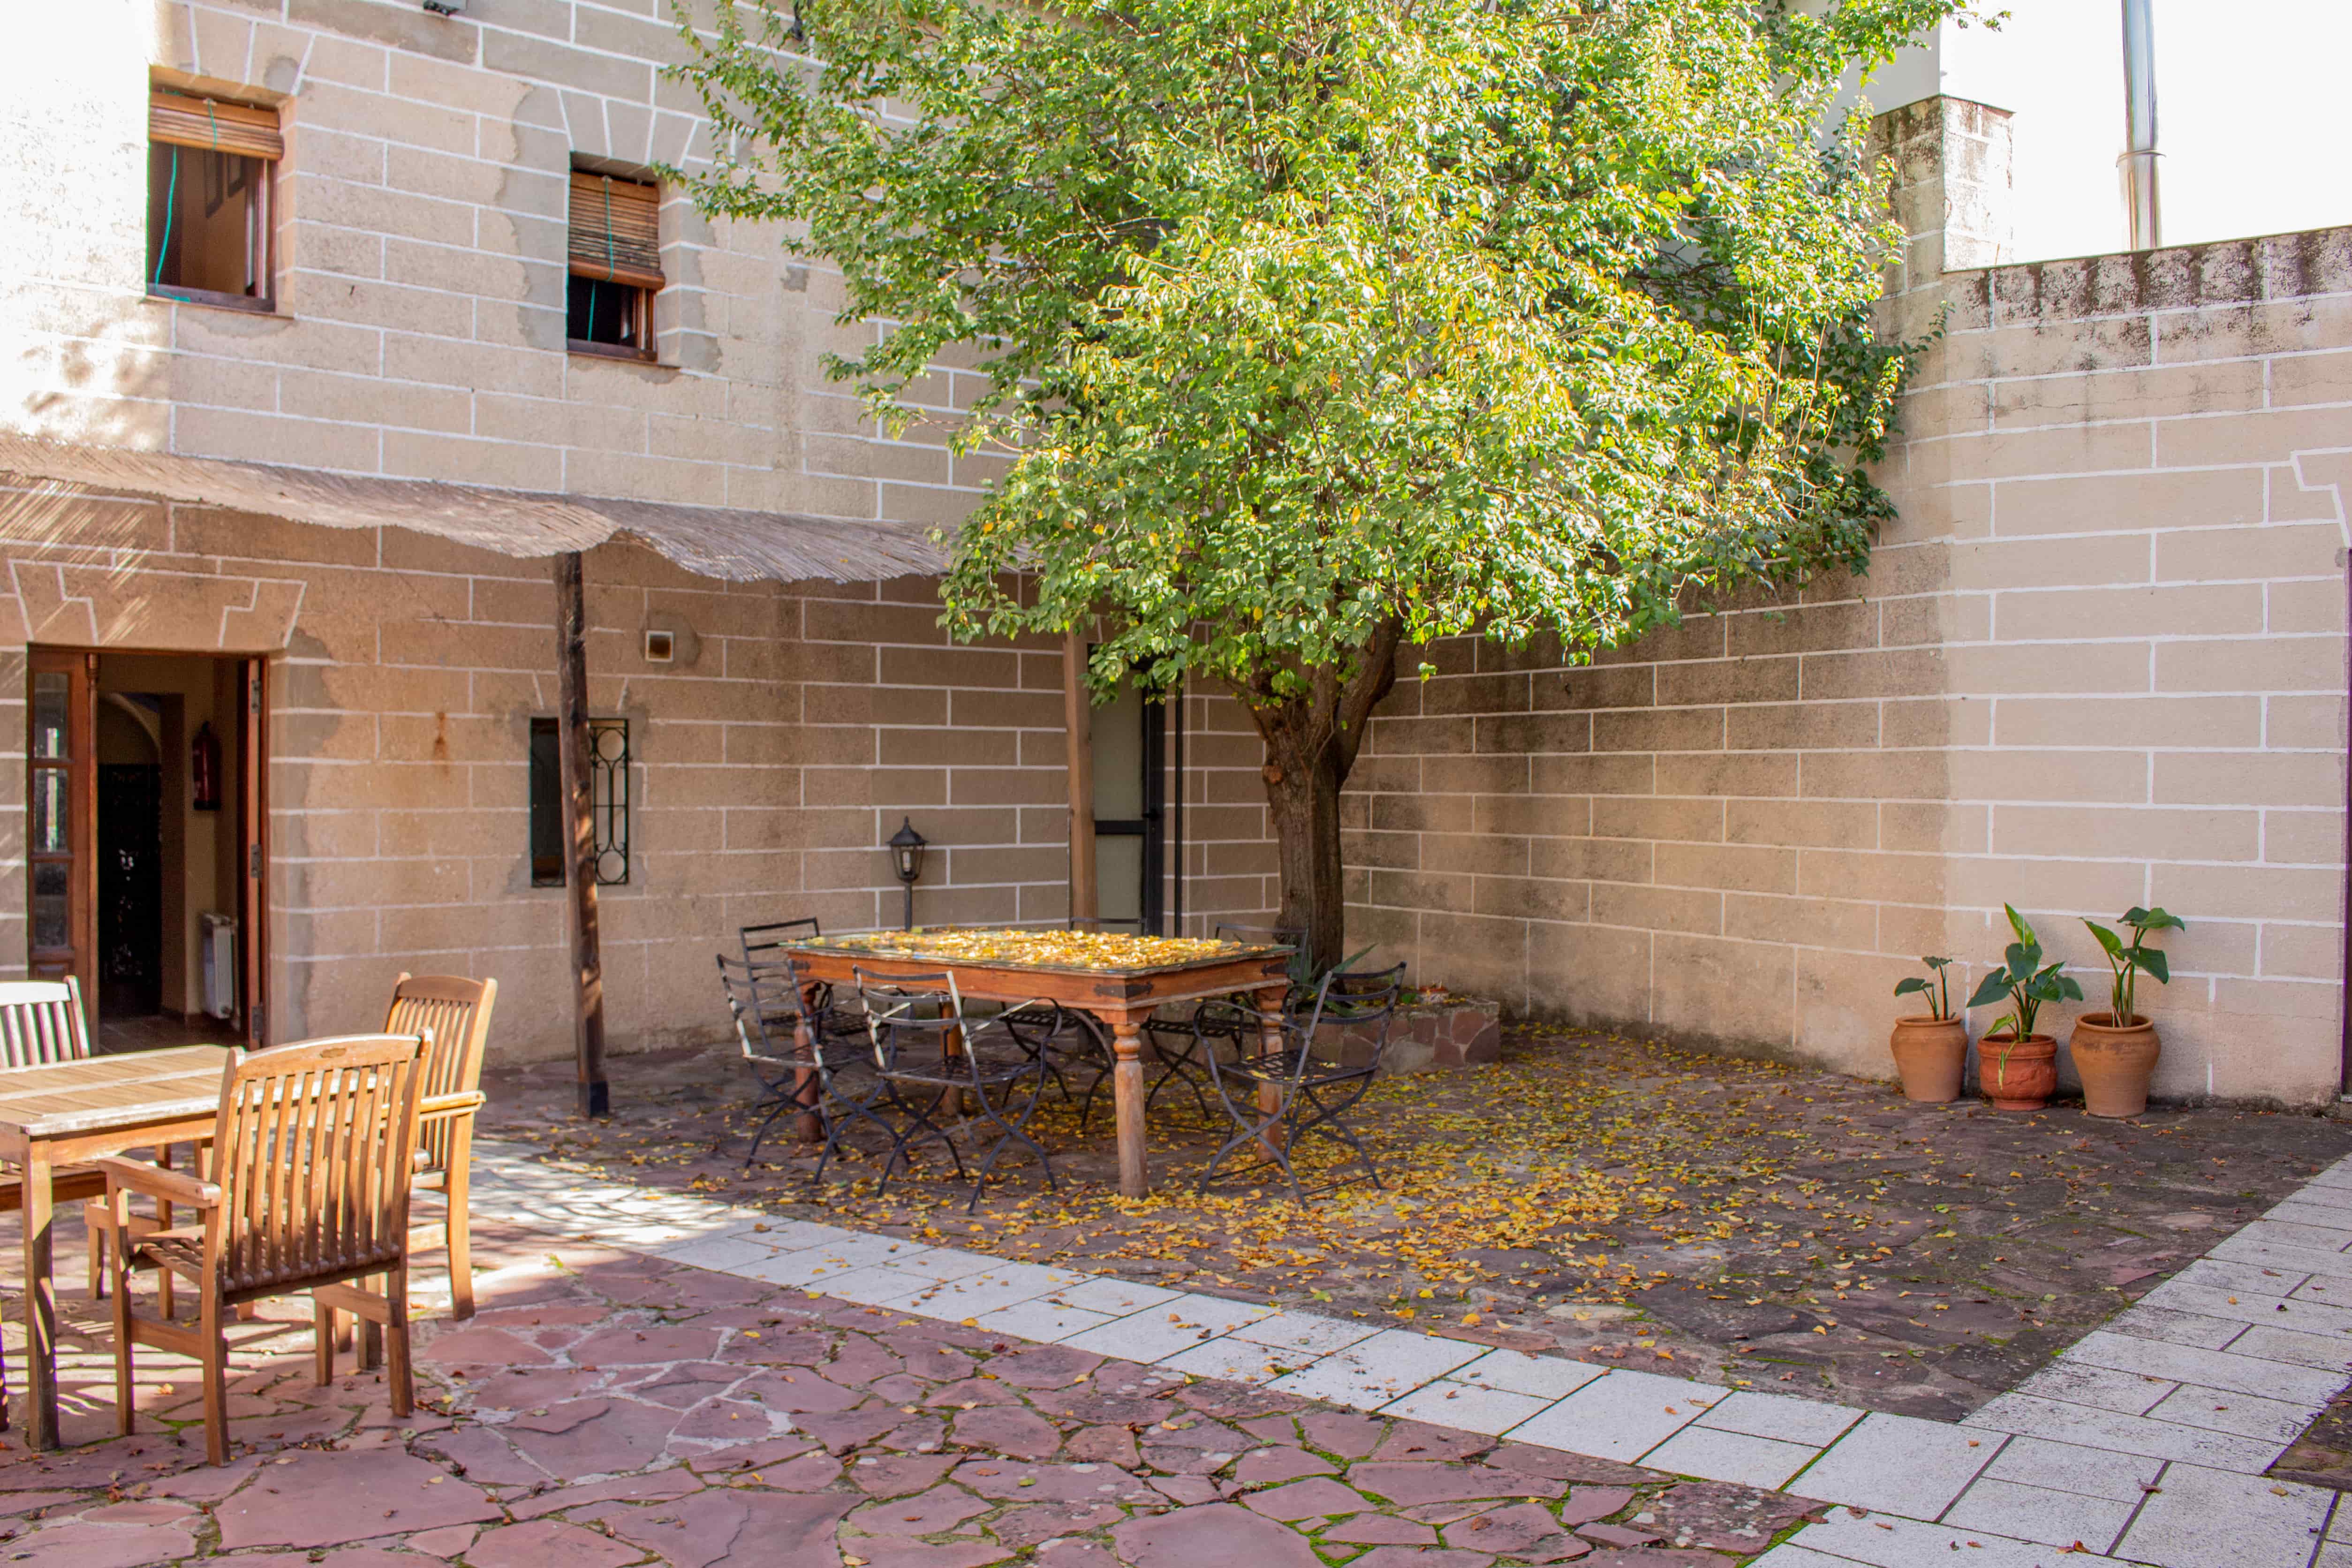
<point>312,1152</point>
<point>453,1016</point>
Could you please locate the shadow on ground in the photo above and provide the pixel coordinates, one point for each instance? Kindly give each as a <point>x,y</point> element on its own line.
<point>1618,1200</point>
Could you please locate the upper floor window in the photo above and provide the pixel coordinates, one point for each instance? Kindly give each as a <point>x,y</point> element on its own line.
<point>211,170</point>
<point>615,265</point>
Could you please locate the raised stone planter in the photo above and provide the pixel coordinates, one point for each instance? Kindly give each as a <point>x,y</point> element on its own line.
<point>1446,1031</point>
<point>1450,1032</point>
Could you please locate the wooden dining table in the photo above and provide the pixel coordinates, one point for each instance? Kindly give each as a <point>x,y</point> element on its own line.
<point>1120,998</point>
<point>69,1113</point>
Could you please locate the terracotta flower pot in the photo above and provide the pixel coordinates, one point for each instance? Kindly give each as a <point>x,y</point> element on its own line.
<point>2116,1064</point>
<point>1929,1053</point>
<point>2020,1076</point>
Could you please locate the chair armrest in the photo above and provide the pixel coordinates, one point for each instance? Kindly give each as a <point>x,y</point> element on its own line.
<point>155,1181</point>
<point>438,1107</point>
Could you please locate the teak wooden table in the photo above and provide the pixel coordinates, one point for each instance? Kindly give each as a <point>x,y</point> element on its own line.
<point>69,1113</point>
<point>1120,998</point>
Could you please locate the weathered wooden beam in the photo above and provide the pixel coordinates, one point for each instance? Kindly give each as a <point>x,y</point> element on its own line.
<point>580,824</point>
<point>1077,720</point>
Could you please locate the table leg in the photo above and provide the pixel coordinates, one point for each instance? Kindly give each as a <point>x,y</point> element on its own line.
<point>1270,1041</point>
<point>40,1305</point>
<point>806,1085</point>
<point>1126,1100</point>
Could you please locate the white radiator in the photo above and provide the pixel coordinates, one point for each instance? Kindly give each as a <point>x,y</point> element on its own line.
<point>220,964</point>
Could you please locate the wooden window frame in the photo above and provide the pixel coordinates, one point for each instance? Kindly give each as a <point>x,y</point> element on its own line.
<point>627,252</point>
<point>246,131</point>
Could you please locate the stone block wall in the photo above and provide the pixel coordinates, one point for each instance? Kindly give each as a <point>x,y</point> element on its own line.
<point>419,329</point>
<point>2100,660</point>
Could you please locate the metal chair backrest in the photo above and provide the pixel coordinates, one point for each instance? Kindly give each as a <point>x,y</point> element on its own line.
<point>41,1021</point>
<point>452,1015</point>
<point>312,1152</point>
<point>895,1008</point>
<point>752,1001</point>
<point>1348,998</point>
<point>765,944</point>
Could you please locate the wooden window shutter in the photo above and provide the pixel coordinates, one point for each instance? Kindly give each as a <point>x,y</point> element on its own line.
<point>615,229</point>
<point>207,122</point>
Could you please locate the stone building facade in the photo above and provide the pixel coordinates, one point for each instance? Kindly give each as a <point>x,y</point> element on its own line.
<point>2100,659</point>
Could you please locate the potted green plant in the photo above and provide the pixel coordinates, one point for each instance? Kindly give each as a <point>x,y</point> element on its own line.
<point>1931,1047</point>
<point>2116,1050</point>
<point>2016,1067</point>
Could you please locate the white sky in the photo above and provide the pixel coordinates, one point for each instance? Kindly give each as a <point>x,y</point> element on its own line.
<point>2253,97</point>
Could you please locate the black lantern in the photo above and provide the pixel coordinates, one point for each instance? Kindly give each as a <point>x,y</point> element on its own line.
<point>907,859</point>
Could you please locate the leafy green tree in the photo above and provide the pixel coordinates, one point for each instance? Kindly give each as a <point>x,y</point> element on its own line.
<point>1315,331</point>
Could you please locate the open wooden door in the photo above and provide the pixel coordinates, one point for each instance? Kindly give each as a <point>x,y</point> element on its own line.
<point>61,780</point>
<point>253,833</point>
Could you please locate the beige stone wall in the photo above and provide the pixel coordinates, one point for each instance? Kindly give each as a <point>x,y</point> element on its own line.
<point>2100,661</point>
<point>420,324</point>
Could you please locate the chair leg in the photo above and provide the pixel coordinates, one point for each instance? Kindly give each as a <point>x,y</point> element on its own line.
<point>322,1330</point>
<point>461,1237</point>
<point>395,1337</point>
<point>215,1353</point>
<point>124,1416</point>
<point>97,1257</point>
<point>370,1332</point>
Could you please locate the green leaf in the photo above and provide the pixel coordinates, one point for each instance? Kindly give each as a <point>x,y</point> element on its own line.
<point>2024,929</point>
<point>1991,989</point>
<point>1910,986</point>
<point>1934,963</point>
<point>2154,961</point>
<point>2109,941</point>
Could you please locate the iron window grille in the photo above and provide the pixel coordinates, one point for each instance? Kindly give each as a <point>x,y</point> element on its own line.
<point>608,802</point>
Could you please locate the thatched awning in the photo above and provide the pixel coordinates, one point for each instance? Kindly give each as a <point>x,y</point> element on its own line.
<point>738,546</point>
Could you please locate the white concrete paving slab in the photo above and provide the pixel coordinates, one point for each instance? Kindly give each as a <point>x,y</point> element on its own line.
<point>2070,1468</point>
<point>1234,1360</point>
<point>2327,1352</point>
<point>2245,1414</point>
<point>2173,1326</point>
<point>2207,1369</point>
<point>1378,1370</point>
<point>1146,1336</point>
<point>2040,1514</point>
<point>2259,1308</point>
<point>1040,1321</point>
<point>1620,1417</point>
<point>1717,1456</point>
<point>1305,1332</point>
<point>2102,1388</point>
<point>975,1294</point>
<point>1899,1464</point>
<point>1849,1536</point>
<point>1780,1415</point>
<point>1113,1298</point>
<point>1548,1377</point>
<point>2208,1518</point>
<point>2024,1415</point>
<point>1471,1406</point>
<point>720,1253</point>
<point>2299,1210</point>
<point>2271,1232</point>
<point>2312,1260</point>
<point>2244,1278</point>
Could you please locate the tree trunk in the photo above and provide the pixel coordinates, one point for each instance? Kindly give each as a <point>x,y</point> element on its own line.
<point>1312,739</point>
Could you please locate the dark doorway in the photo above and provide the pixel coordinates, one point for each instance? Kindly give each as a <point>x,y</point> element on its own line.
<point>130,888</point>
<point>1130,773</point>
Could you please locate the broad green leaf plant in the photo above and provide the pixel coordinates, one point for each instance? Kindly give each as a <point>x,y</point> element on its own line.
<point>2027,984</point>
<point>2131,958</point>
<point>1937,990</point>
<point>1303,333</point>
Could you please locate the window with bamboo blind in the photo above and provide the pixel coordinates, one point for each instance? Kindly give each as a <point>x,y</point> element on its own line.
<point>615,256</point>
<point>211,168</point>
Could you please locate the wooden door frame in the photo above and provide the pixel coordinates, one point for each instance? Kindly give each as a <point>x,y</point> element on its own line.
<point>79,665</point>
<point>253,817</point>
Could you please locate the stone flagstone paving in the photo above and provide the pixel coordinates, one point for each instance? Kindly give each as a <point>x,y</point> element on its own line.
<point>701,1385</point>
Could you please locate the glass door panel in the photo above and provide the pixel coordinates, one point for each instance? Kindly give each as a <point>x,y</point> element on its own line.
<point>61,793</point>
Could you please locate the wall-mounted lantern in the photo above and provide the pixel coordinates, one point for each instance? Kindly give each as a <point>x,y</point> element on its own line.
<point>907,859</point>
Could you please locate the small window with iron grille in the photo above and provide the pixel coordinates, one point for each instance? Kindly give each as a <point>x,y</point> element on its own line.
<point>608,802</point>
<point>615,256</point>
<point>211,168</point>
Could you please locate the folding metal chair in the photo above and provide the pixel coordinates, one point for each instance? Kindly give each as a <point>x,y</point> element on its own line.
<point>1311,1090</point>
<point>834,1080</point>
<point>932,1057</point>
<point>1185,1045</point>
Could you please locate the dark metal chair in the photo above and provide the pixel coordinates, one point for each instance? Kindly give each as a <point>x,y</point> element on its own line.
<point>1311,1085</point>
<point>942,1070</point>
<point>1184,1044</point>
<point>1069,1042</point>
<point>765,1002</point>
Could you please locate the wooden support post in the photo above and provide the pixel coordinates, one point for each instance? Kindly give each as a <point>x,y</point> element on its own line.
<point>1078,724</point>
<point>587,951</point>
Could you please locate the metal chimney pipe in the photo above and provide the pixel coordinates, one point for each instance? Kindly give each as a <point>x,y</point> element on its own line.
<point>2138,164</point>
